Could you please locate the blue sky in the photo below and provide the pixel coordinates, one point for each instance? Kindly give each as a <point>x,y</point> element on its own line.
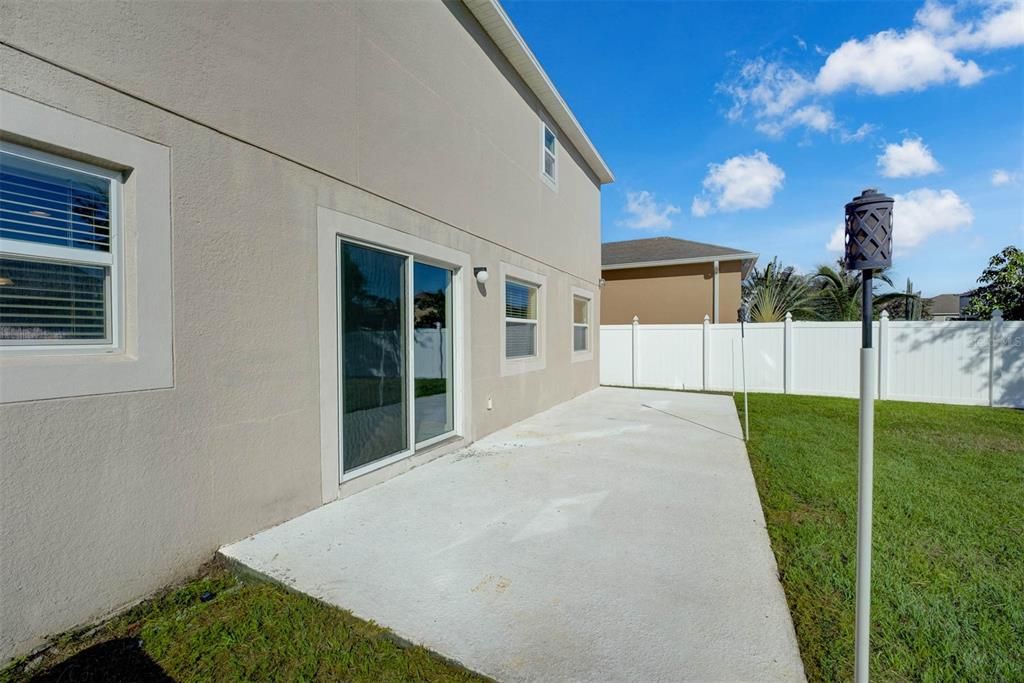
<point>750,124</point>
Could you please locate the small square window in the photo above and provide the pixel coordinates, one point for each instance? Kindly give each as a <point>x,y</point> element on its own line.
<point>549,155</point>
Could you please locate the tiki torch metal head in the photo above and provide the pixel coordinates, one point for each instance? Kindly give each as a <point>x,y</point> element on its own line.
<point>869,231</point>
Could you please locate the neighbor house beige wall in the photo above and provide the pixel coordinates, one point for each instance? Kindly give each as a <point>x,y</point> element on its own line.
<point>400,113</point>
<point>670,294</point>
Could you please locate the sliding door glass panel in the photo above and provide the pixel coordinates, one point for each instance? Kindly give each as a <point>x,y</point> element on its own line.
<point>374,356</point>
<point>432,351</point>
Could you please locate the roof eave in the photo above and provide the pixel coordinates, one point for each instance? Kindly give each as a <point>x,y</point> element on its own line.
<point>499,27</point>
<point>739,256</point>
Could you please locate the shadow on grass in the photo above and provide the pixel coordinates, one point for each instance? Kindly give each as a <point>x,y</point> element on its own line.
<point>122,659</point>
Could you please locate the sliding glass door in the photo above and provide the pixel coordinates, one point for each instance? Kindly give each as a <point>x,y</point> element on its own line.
<point>432,351</point>
<point>396,351</point>
<point>374,355</point>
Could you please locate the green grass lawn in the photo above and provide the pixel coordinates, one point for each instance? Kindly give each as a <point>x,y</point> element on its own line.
<point>948,571</point>
<point>247,631</point>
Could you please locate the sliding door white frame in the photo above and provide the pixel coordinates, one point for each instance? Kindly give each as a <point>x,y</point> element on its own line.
<point>332,227</point>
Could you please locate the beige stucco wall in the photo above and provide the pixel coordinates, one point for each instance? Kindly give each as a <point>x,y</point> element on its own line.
<point>388,111</point>
<point>670,294</point>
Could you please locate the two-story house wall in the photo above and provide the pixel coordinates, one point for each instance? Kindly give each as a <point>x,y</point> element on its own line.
<point>257,256</point>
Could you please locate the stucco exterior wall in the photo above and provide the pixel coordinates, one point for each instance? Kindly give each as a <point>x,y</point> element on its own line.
<point>730,290</point>
<point>670,295</point>
<point>399,113</point>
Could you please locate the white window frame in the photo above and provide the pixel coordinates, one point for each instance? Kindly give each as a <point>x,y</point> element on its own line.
<point>525,321</point>
<point>551,180</point>
<point>111,259</point>
<point>587,353</point>
<point>334,226</point>
<point>515,366</point>
<point>142,358</point>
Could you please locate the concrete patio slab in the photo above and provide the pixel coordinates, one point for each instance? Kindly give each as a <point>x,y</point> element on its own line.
<point>616,537</point>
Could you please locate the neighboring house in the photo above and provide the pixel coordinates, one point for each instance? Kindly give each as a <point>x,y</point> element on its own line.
<point>241,260</point>
<point>944,306</point>
<point>668,280</point>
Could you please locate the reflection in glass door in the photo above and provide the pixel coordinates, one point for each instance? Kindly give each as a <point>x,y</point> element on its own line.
<point>374,355</point>
<point>432,351</point>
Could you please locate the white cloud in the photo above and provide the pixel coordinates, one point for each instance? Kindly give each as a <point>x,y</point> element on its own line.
<point>801,43</point>
<point>700,207</point>
<point>909,158</point>
<point>645,213</point>
<point>837,242</point>
<point>862,132</point>
<point>935,17</point>
<point>741,182</point>
<point>812,116</point>
<point>1003,177</point>
<point>917,215</point>
<point>891,62</point>
<point>927,54</point>
<point>1001,25</point>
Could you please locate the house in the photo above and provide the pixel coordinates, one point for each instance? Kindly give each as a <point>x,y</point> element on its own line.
<point>669,280</point>
<point>257,256</point>
<point>945,306</point>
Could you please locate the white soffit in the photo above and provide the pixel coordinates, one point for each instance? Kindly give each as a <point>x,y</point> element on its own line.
<point>499,27</point>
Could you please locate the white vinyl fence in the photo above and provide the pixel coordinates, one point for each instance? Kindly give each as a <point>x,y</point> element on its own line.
<point>967,362</point>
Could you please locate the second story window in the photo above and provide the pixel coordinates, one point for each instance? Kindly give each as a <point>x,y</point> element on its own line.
<point>58,251</point>
<point>549,155</point>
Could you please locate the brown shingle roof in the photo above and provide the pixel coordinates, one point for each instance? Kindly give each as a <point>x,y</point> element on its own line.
<point>664,249</point>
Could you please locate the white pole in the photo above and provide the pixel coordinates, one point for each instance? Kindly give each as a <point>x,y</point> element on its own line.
<point>865,479</point>
<point>743,371</point>
<point>865,476</point>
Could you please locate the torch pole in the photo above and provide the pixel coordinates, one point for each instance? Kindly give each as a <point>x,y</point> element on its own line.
<point>865,476</point>
<point>743,370</point>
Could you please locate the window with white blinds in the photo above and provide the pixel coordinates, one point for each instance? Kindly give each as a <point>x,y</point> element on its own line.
<point>520,319</point>
<point>58,250</point>
<point>580,323</point>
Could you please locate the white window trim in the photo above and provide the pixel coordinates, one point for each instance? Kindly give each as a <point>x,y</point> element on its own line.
<point>552,181</point>
<point>333,225</point>
<point>112,258</point>
<point>143,359</point>
<point>516,366</point>
<point>588,353</point>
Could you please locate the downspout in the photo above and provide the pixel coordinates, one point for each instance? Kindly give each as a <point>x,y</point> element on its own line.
<point>714,297</point>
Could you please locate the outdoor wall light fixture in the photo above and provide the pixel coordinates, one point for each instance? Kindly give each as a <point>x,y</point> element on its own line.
<point>481,274</point>
<point>868,248</point>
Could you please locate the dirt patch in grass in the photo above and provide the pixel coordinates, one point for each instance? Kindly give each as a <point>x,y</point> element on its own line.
<point>219,627</point>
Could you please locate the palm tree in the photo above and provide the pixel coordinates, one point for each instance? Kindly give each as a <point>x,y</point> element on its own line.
<point>838,294</point>
<point>776,290</point>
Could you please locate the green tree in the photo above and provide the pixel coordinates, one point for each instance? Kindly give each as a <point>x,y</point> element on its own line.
<point>775,290</point>
<point>838,293</point>
<point>1002,287</point>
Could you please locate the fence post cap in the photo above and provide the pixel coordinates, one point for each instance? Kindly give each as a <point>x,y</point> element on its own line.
<point>789,317</point>
<point>707,318</point>
<point>636,319</point>
<point>997,315</point>
<point>884,315</point>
